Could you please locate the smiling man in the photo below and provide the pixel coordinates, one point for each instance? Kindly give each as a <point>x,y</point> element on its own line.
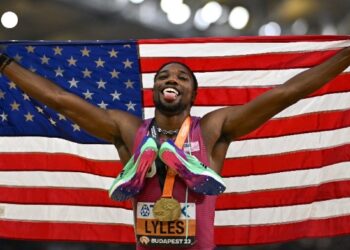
<point>174,206</point>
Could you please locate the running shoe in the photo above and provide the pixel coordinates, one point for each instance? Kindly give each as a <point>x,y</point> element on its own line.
<point>131,179</point>
<point>197,176</point>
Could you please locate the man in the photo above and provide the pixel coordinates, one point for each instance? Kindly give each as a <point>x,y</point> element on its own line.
<point>174,93</point>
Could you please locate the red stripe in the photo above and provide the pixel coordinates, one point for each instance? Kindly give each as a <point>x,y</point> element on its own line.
<point>266,198</point>
<point>59,196</point>
<point>276,233</point>
<point>227,96</point>
<point>66,231</point>
<point>245,62</point>
<point>232,166</point>
<point>223,235</point>
<point>285,162</point>
<point>284,197</point>
<point>57,162</point>
<point>309,123</point>
<point>246,39</point>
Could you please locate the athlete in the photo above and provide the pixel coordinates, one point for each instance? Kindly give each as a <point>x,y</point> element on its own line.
<point>174,93</point>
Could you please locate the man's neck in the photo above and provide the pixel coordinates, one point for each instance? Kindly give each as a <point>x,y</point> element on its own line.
<point>170,122</point>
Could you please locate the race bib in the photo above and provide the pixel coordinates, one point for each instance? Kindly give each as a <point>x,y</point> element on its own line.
<point>154,233</point>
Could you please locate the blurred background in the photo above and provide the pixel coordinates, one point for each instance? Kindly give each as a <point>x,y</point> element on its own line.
<point>134,19</point>
<point>125,19</point>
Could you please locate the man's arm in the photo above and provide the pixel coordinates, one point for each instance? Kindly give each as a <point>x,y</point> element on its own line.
<point>105,124</point>
<point>233,122</point>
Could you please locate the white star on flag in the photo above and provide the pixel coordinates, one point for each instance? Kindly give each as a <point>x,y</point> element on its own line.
<point>44,59</point>
<point>87,73</point>
<point>101,84</point>
<point>73,83</point>
<point>99,62</point>
<point>72,61</point>
<point>128,63</point>
<point>87,94</point>
<point>57,50</point>
<point>113,53</point>
<point>116,95</point>
<point>29,117</point>
<point>59,71</point>
<point>85,52</point>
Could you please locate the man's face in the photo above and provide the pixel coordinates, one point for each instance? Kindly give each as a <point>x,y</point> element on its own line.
<point>173,89</point>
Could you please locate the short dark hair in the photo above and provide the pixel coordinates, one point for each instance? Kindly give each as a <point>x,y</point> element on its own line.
<point>195,81</point>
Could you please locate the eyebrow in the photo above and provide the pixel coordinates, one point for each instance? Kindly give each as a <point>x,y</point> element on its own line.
<point>166,71</point>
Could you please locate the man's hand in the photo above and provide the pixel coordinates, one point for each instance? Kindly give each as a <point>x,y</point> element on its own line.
<point>4,61</point>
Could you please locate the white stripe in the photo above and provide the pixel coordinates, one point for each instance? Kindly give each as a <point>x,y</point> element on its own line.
<point>290,143</point>
<point>276,215</point>
<point>54,179</point>
<point>290,179</point>
<point>245,79</point>
<point>56,145</point>
<point>259,216</point>
<point>232,48</point>
<point>254,147</point>
<point>329,102</point>
<point>63,213</point>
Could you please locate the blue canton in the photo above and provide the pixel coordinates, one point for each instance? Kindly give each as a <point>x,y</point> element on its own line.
<point>105,74</point>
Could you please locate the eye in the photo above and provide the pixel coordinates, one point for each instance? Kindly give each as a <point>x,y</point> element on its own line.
<point>161,77</point>
<point>183,77</point>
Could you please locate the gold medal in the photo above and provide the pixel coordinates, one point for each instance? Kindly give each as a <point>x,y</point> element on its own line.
<point>167,209</point>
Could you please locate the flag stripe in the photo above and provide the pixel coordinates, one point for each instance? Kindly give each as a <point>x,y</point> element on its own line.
<point>248,39</point>
<point>54,179</point>
<point>58,162</point>
<point>242,166</point>
<point>312,122</point>
<point>245,62</point>
<point>238,78</point>
<point>338,101</point>
<point>57,145</point>
<point>291,179</point>
<point>291,143</point>
<point>284,214</point>
<point>284,197</point>
<point>223,95</point>
<point>209,49</point>
<point>238,166</point>
<point>246,235</point>
<point>59,196</point>
<point>124,234</point>
<point>253,147</point>
<point>107,215</point>
<point>94,197</point>
<point>54,213</point>
<point>67,231</point>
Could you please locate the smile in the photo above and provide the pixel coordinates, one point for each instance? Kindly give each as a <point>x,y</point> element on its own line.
<point>170,91</point>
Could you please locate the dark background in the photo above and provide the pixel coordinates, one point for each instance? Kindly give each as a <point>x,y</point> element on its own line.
<point>121,19</point>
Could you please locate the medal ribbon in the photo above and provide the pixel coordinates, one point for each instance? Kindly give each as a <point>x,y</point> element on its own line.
<point>171,173</point>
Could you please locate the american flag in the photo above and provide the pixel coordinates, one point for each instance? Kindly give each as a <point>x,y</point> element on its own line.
<point>288,179</point>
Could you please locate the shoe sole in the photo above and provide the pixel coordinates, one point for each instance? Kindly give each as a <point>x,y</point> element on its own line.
<point>124,189</point>
<point>197,178</point>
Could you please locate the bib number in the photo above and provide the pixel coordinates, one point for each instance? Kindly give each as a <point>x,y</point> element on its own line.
<point>154,233</point>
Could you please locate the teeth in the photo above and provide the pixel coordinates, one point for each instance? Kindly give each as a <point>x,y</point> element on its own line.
<point>171,90</point>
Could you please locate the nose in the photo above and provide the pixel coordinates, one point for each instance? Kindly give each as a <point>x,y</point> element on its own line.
<point>171,80</point>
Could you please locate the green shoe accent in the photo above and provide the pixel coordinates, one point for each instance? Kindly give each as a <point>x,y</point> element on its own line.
<point>196,175</point>
<point>131,179</point>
